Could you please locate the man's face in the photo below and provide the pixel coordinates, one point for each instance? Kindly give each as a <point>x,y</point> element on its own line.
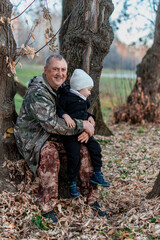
<point>56,72</point>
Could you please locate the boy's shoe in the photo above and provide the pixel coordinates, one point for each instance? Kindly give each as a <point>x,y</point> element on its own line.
<point>73,190</point>
<point>50,215</point>
<point>96,207</point>
<point>98,179</point>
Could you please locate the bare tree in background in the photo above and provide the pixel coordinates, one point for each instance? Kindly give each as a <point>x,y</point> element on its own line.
<point>156,189</point>
<point>143,102</point>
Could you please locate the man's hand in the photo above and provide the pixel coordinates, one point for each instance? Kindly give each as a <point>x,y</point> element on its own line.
<point>69,121</point>
<point>91,120</point>
<point>83,137</point>
<point>88,127</point>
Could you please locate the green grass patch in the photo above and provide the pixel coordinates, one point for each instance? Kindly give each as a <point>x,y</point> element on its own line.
<point>27,72</point>
<point>37,220</point>
<point>114,93</point>
<point>18,102</point>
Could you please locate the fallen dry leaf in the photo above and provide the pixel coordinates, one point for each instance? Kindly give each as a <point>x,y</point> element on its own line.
<point>130,163</point>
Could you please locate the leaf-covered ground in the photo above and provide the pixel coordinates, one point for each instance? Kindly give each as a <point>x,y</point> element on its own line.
<point>131,164</point>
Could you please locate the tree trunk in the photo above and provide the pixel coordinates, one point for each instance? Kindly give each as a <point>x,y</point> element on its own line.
<point>8,147</point>
<point>84,41</point>
<point>143,102</point>
<point>100,125</point>
<point>21,89</point>
<point>156,189</point>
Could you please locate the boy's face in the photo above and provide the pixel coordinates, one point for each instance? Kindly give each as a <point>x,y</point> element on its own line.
<point>86,92</point>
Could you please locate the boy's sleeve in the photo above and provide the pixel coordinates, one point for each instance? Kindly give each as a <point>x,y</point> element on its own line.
<point>89,114</point>
<point>61,106</point>
<point>43,109</point>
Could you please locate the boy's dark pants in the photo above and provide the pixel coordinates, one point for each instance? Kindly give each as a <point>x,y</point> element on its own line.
<point>72,147</point>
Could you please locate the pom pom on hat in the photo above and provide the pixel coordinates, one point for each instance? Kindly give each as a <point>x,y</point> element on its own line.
<point>80,79</point>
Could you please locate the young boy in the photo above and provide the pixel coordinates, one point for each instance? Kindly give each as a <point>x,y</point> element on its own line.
<point>73,103</point>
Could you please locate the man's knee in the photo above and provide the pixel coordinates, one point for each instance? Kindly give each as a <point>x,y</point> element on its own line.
<point>49,157</point>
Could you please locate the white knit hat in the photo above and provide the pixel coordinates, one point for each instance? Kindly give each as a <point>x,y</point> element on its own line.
<point>80,80</point>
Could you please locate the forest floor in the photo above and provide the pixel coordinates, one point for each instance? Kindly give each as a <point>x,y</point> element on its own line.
<point>131,164</point>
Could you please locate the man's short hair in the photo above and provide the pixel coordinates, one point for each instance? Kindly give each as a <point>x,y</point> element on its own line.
<point>56,56</point>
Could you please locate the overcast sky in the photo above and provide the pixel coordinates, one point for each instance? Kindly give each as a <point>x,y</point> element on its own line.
<point>123,35</point>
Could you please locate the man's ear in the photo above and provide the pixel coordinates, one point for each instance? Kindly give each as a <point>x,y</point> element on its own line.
<point>44,69</point>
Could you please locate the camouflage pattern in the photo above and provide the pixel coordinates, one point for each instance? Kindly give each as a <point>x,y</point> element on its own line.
<point>48,177</point>
<point>52,155</point>
<point>37,120</point>
<point>86,171</point>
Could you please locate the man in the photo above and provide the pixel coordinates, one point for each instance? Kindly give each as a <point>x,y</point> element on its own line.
<point>38,131</point>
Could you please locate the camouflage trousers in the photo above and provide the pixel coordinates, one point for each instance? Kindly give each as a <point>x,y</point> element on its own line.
<point>52,155</point>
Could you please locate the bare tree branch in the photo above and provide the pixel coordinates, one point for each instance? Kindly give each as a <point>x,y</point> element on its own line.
<point>21,89</point>
<point>29,36</point>
<point>57,31</point>
<point>46,3</point>
<point>138,14</point>
<point>23,11</point>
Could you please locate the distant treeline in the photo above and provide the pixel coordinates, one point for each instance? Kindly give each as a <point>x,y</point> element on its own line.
<point>122,56</point>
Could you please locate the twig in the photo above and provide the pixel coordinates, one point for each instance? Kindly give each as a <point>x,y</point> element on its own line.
<point>53,35</point>
<point>8,42</point>
<point>134,16</point>
<point>23,11</point>
<point>25,44</point>
<point>46,3</point>
<point>57,31</point>
<point>28,38</point>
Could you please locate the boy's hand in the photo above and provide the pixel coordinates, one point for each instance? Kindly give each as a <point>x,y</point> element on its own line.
<point>91,120</point>
<point>69,121</point>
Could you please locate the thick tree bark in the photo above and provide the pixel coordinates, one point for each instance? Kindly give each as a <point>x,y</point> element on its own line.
<point>156,189</point>
<point>143,102</point>
<point>84,41</point>
<point>7,91</point>
<point>100,125</point>
<point>21,89</point>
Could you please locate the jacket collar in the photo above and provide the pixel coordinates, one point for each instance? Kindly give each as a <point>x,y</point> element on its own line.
<point>78,94</point>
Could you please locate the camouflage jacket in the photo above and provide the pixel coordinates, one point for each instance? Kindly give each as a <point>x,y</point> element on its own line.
<point>38,120</point>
